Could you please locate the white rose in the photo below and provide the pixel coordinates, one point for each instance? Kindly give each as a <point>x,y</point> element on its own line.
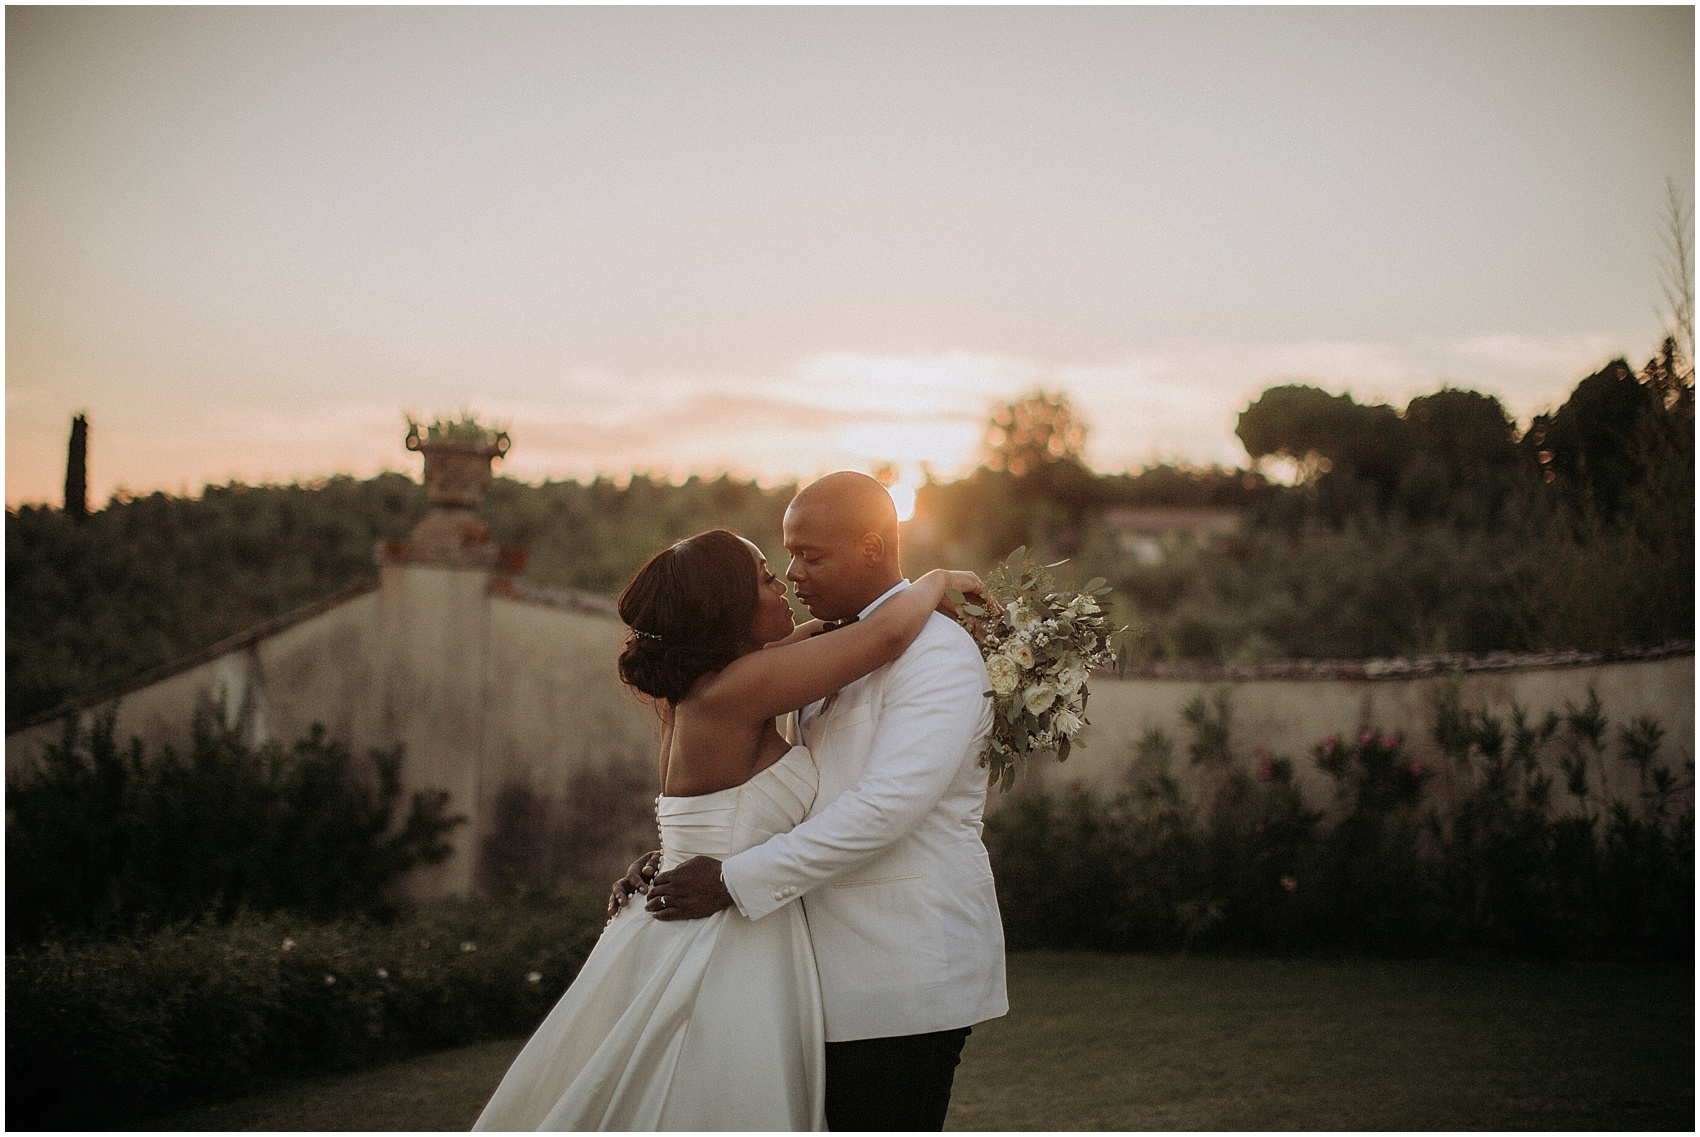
<point>1005,674</point>
<point>1066,722</point>
<point>1071,680</point>
<point>1037,699</point>
<point>1021,617</point>
<point>1021,654</point>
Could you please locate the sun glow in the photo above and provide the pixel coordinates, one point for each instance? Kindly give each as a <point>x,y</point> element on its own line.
<point>903,496</point>
<point>901,482</point>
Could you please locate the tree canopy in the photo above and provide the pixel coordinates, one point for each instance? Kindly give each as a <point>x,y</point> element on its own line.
<point>1034,431</point>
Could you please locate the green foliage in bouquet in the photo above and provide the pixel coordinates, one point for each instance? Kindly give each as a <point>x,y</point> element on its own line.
<point>1041,643</point>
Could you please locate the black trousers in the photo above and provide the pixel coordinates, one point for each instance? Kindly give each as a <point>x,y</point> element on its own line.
<point>892,1084</point>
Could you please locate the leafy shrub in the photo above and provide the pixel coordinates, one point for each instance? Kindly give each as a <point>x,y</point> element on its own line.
<point>101,837</point>
<point>1476,854</point>
<point>107,1034</point>
<point>1612,869</point>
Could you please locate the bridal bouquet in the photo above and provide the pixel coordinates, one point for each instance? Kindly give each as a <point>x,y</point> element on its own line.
<point>1040,644</point>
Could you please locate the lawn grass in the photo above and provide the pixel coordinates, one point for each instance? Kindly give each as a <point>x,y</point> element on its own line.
<point>1100,1042</point>
<point>1153,1042</point>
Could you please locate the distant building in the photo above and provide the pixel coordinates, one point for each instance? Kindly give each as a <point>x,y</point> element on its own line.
<point>1148,532</point>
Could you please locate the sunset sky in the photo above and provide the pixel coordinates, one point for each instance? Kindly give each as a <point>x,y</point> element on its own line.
<point>779,241</point>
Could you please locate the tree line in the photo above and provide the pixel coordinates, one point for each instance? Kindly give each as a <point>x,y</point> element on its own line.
<point>1433,527</point>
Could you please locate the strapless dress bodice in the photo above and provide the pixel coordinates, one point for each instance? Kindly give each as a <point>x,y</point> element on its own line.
<point>731,820</point>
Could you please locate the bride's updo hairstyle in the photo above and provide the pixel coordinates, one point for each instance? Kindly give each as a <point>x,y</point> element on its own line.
<point>689,609</point>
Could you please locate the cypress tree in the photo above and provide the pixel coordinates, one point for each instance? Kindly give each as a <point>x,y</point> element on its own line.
<point>77,469</point>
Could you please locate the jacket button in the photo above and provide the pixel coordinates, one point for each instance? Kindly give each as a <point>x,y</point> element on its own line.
<point>779,895</point>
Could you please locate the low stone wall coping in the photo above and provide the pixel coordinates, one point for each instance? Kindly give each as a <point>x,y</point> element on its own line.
<point>1414,667</point>
<point>570,598</point>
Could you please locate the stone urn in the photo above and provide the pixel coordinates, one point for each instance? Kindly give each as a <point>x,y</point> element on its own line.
<point>458,457</point>
<point>457,463</point>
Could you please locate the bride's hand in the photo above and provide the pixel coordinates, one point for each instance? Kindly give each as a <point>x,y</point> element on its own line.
<point>965,582</point>
<point>637,879</point>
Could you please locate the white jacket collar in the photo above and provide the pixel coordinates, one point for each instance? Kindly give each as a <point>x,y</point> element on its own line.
<point>883,597</point>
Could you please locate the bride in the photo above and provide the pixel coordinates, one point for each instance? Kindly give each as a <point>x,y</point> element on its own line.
<point>716,1023</point>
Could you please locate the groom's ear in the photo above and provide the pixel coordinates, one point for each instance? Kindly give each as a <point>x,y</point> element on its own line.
<point>872,548</point>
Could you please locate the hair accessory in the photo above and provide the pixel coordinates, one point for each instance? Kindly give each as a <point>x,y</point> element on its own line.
<point>643,635</point>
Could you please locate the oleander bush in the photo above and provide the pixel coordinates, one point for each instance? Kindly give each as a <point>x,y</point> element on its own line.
<point>1483,853</point>
<point>104,837</point>
<point>107,1033</point>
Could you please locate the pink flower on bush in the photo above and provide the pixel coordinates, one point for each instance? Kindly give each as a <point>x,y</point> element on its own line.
<point>1418,769</point>
<point>1265,762</point>
<point>1388,742</point>
<point>1331,742</point>
<point>1365,738</point>
<point>1289,883</point>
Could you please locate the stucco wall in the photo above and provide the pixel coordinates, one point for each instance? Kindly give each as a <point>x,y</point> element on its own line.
<point>556,706</point>
<point>1289,716</point>
<point>497,688</point>
<point>485,690</point>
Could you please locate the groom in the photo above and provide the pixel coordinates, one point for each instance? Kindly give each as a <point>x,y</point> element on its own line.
<point>889,865</point>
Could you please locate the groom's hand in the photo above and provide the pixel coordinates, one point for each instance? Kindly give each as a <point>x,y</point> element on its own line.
<point>689,892</point>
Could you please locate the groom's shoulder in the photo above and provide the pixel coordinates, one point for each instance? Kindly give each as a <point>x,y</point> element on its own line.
<point>943,640</point>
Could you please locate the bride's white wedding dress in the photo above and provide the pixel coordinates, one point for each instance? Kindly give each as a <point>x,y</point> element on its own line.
<point>687,1024</point>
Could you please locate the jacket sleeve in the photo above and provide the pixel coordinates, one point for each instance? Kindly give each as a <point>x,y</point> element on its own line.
<point>934,713</point>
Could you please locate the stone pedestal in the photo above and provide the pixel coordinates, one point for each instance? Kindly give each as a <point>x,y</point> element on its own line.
<point>434,606</point>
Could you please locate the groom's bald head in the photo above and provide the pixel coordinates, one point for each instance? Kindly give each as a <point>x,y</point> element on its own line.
<point>842,535</point>
<point>854,503</point>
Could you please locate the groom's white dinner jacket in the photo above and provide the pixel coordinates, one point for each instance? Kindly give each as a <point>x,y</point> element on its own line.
<point>889,863</point>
